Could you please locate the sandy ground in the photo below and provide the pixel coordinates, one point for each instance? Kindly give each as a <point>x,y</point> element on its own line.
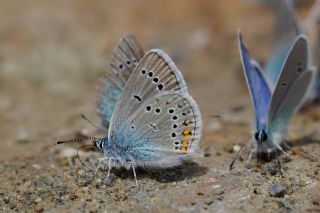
<point>51,56</point>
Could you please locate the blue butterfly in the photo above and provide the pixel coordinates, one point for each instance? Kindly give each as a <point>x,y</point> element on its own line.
<point>287,29</point>
<point>152,120</point>
<point>274,108</point>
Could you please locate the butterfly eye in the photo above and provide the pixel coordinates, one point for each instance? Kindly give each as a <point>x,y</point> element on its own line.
<point>264,137</point>
<point>284,84</point>
<point>256,136</point>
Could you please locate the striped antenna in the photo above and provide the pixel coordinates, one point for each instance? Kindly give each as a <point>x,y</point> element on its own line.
<point>75,140</point>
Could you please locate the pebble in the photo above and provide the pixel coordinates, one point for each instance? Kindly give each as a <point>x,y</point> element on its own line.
<point>38,208</point>
<point>36,166</point>
<point>236,148</point>
<point>139,196</point>
<point>22,137</point>
<point>73,196</point>
<point>214,126</point>
<point>316,202</point>
<point>206,152</point>
<point>38,200</point>
<point>277,190</point>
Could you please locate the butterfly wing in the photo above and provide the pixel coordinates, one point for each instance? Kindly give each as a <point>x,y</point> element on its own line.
<point>154,74</point>
<point>162,131</point>
<point>126,56</point>
<point>312,28</point>
<point>286,29</point>
<point>156,120</point>
<point>257,84</point>
<point>290,89</point>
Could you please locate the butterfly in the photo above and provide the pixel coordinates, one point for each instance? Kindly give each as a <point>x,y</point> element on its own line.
<point>274,108</point>
<point>287,28</point>
<point>144,103</point>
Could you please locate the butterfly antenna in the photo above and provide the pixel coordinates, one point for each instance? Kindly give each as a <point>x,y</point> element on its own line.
<point>75,140</point>
<point>92,124</point>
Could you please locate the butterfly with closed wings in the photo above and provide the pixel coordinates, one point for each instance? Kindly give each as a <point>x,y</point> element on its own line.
<point>144,103</point>
<point>274,109</point>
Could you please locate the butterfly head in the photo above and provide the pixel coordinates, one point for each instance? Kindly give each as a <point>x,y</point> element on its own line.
<point>99,143</point>
<point>261,136</point>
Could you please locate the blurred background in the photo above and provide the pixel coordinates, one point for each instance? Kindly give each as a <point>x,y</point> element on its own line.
<point>52,54</point>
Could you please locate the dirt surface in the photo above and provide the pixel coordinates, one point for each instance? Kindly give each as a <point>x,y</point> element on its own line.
<point>51,56</point>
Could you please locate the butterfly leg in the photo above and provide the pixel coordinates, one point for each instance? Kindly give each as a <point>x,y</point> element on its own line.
<point>109,167</point>
<point>284,152</point>
<point>134,173</point>
<point>250,156</point>
<point>99,164</point>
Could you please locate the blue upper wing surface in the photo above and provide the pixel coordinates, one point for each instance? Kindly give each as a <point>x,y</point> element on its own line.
<point>257,84</point>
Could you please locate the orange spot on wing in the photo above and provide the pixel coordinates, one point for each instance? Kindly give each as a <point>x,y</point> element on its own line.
<point>184,143</point>
<point>186,132</point>
<point>183,149</point>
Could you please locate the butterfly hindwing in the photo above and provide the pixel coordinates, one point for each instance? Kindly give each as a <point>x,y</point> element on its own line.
<point>291,101</point>
<point>257,84</point>
<point>126,56</point>
<point>290,89</point>
<point>162,130</point>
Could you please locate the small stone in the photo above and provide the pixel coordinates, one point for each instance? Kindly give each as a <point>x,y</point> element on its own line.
<point>297,151</point>
<point>277,190</point>
<point>217,190</point>
<point>36,166</point>
<point>22,137</point>
<point>38,200</point>
<point>139,196</point>
<point>316,202</point>
<point>214,126</point>
<point>206,152</point>
<point>236,148</point>
<point>73,196</point>
<point>38,208</point>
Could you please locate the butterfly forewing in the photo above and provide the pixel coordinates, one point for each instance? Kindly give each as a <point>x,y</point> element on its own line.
<point>126,56</point>
<point>154,75</point>
<point>257,84</point>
